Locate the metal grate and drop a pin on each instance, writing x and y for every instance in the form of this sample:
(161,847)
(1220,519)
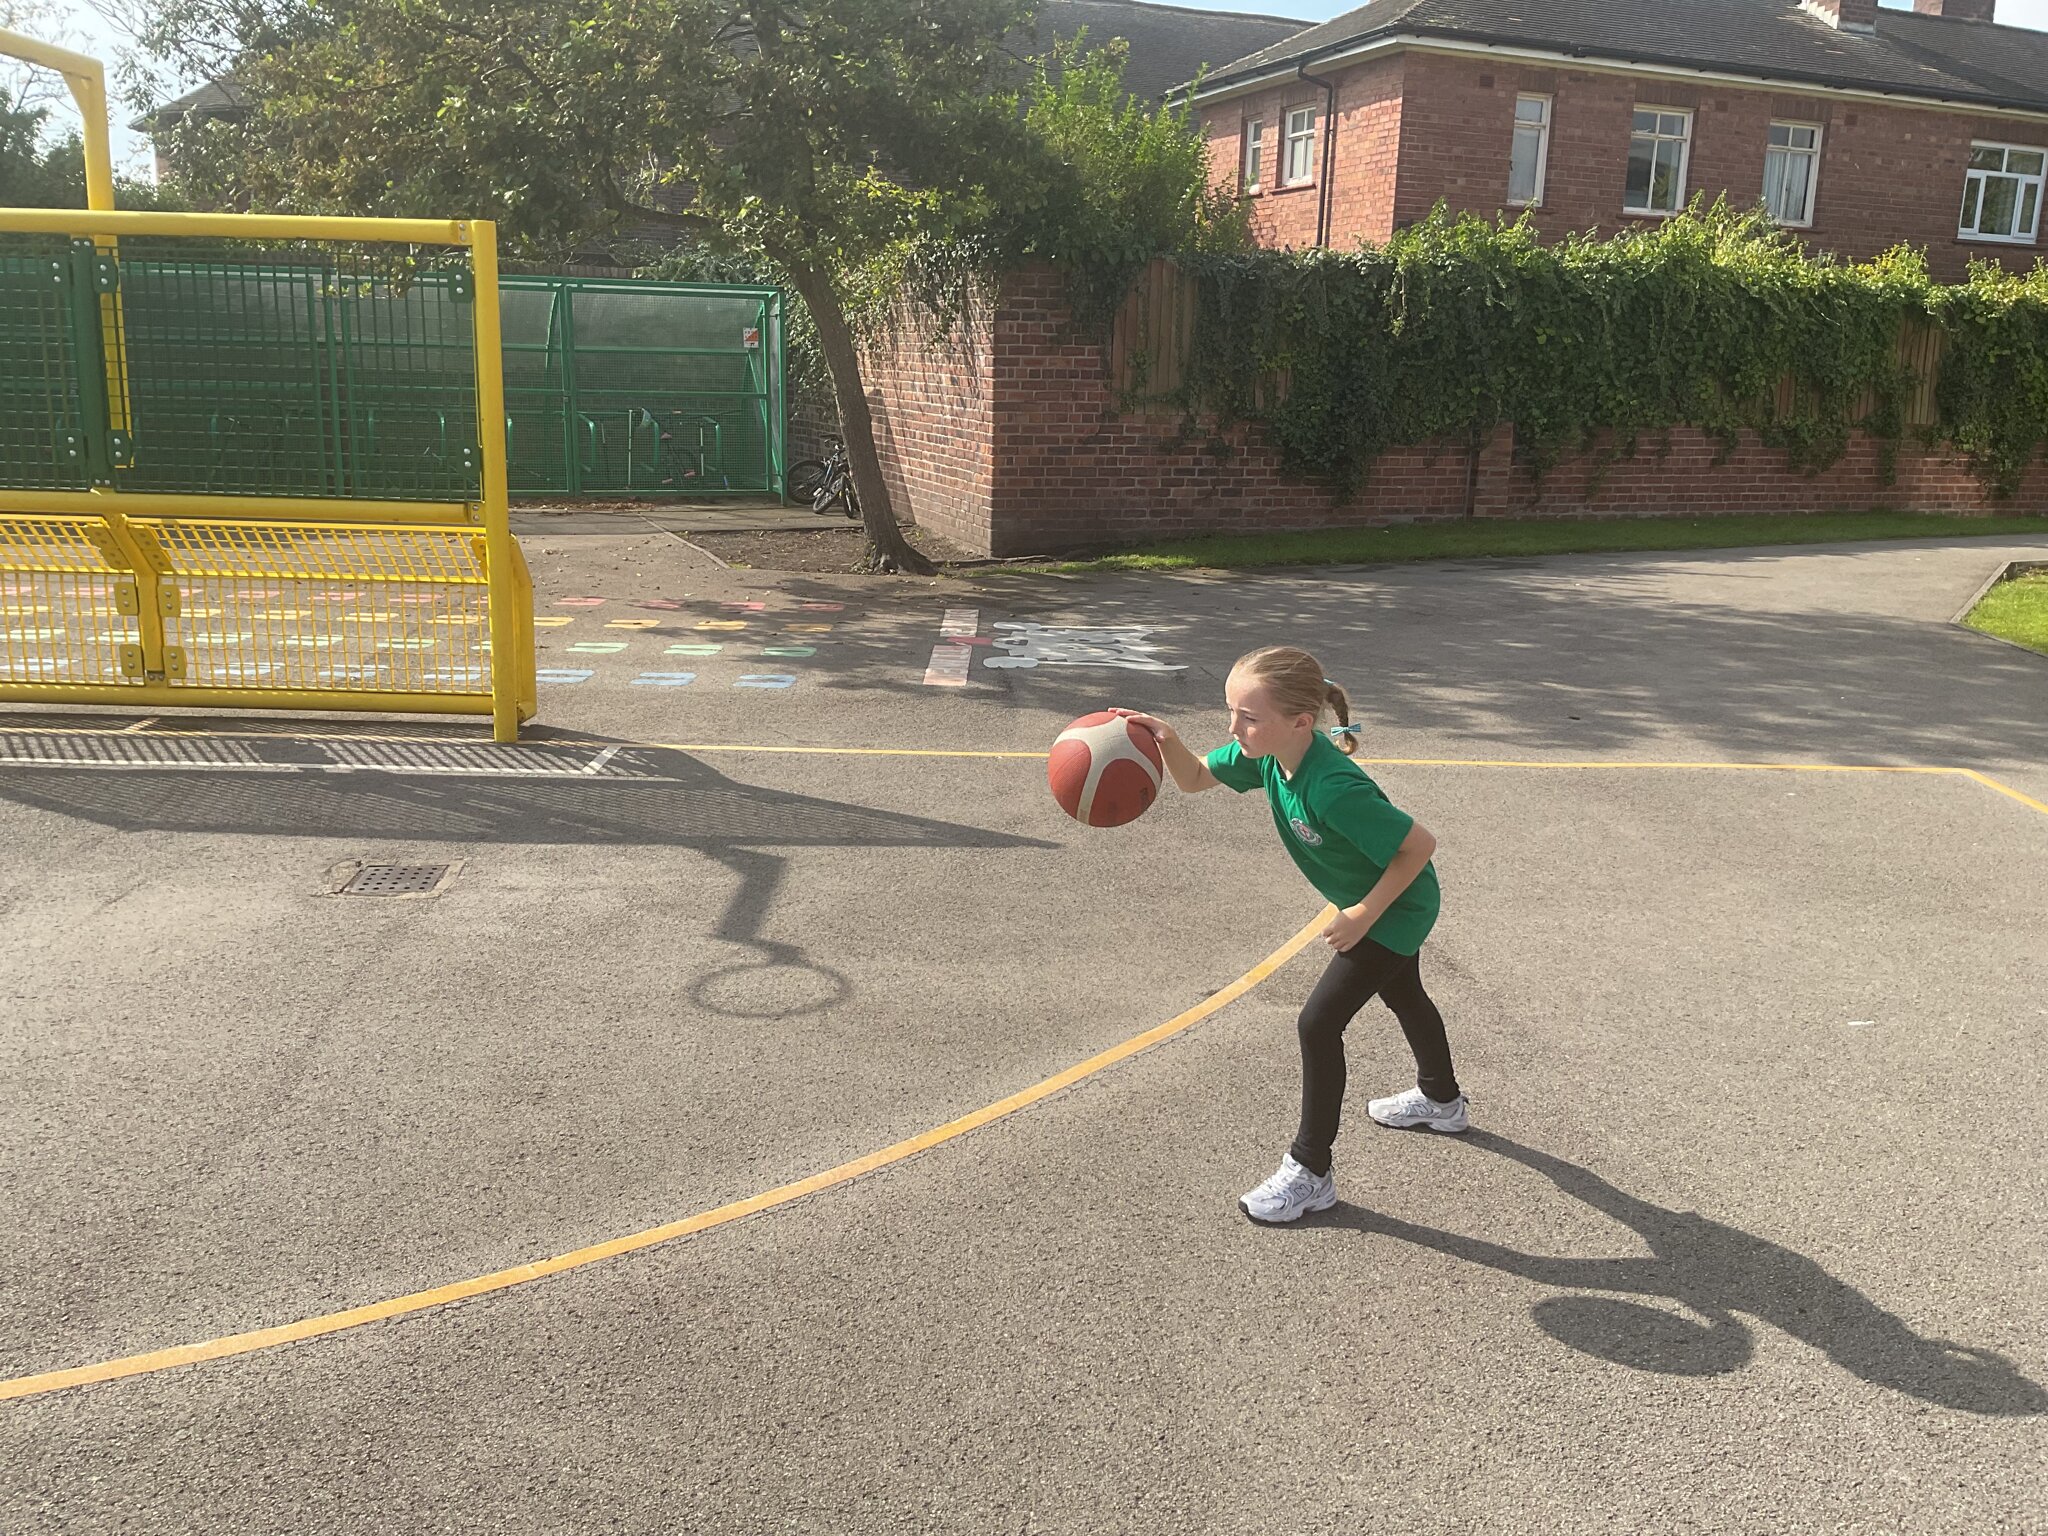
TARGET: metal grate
(283,605)
(398,880)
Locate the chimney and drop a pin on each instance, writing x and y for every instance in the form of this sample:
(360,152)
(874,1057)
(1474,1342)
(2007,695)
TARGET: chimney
(1958,10)
(1849,15)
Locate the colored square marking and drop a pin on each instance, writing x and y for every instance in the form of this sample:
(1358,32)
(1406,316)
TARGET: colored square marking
(579,602)
(554,620)
(766,680)
(824,607)
(560,675)
(664,679)
(599,647)
(631,623)
(808,629)
(693,650)
(744,607)
(788,650)
(723,624)
(661,603)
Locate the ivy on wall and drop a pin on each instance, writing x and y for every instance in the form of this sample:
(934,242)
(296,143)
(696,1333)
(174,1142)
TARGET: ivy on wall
(1714,319)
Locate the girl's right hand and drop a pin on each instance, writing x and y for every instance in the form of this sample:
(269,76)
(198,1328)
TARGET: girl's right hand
(1160,730)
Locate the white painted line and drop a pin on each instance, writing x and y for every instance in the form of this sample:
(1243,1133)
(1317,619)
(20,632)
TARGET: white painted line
(948,666)
(140,725)
(961,624)
(596,764)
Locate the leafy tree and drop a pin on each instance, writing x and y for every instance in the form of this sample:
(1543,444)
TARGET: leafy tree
(818,135)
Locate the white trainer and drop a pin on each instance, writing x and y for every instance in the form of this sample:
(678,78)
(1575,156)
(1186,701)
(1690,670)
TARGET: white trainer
(1417,1108)
(1289,1195)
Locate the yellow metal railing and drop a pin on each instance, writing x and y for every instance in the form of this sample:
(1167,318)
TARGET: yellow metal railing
(288,602)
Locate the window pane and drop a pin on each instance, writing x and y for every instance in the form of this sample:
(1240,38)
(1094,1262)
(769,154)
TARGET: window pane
(1971,187)
(1775,166)
(2023,162)
(1302,120)
(1780,134)
(1530,109)
(1640,152)
(1664,190)
(1985,158)
(1671,123)
(1646,122)
(2029,205)
(1522,171)
(2001,199)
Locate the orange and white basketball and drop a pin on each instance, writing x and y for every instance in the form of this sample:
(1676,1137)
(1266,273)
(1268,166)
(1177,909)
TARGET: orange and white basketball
(1104,772)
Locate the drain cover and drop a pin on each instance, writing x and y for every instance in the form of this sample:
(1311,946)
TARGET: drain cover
(398,879)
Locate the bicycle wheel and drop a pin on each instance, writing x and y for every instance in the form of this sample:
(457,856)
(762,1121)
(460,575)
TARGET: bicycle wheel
(801,480)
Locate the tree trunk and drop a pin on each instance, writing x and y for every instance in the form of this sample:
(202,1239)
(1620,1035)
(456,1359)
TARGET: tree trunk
(887,549)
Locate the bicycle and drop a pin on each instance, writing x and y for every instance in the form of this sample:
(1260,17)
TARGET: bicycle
(827,483)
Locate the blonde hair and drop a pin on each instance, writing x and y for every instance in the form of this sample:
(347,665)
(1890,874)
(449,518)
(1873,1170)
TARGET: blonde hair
(1295,680)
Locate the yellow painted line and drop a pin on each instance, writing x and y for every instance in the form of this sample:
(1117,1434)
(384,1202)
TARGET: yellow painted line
(1484,762)
(26,723)
(2003,789)
(703,1221)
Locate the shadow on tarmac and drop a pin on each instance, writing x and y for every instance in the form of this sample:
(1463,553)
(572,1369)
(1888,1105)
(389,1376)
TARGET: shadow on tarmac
(1714,1271)
(643,796)
(638,797)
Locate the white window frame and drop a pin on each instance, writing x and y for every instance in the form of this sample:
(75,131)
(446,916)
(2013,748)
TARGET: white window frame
(1684,142)
(1973,179)
(1251,170)
(1542,150)
(1306,137)
(1812,158)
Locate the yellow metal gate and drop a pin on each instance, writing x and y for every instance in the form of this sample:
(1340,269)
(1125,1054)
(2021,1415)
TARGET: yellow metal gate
(244,463)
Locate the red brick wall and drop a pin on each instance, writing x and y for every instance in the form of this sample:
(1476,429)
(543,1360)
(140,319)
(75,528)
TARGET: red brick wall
(1006,442)
(933,408)
(1368,138)
(1888,174)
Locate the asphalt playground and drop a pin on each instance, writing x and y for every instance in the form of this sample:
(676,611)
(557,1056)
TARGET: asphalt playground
(782,1119)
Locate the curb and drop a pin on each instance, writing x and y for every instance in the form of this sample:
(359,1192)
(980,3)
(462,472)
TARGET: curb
(2003,573)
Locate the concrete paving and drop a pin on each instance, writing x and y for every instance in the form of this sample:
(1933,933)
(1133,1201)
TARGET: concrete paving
(1753,1235)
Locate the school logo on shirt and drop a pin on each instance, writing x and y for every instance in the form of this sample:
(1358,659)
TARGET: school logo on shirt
(1305,832)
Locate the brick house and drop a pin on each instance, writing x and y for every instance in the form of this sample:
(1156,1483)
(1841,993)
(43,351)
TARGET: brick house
(1858,127)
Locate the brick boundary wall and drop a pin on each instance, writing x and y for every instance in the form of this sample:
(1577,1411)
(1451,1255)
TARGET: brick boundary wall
(1004,439)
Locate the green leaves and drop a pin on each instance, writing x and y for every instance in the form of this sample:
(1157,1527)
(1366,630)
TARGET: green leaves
(1714,319)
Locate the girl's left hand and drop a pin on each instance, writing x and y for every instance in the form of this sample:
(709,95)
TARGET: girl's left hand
(1345,930)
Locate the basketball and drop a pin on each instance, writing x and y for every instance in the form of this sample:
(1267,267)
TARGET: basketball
(1103,772)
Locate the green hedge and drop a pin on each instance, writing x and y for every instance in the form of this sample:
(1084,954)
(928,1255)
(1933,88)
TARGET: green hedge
(1458,324)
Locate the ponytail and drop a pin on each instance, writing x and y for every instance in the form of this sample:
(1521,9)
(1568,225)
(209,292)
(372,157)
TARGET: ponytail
(1345,734)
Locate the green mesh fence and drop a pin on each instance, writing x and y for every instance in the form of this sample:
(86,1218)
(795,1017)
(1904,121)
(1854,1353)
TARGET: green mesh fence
(630,388)
(42,415)
(238,370)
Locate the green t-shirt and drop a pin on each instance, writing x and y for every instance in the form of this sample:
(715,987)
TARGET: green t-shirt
(1342,831)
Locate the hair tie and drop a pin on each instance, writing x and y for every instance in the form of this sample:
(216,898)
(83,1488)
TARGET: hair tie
(1329,682)
(1346,730)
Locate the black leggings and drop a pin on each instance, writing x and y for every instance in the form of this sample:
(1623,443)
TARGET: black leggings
(1355,977)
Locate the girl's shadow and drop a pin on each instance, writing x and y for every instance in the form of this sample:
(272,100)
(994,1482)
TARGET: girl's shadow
(1715,1271)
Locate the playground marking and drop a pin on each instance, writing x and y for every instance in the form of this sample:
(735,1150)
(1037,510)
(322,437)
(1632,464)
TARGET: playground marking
(766,680)
(722,624)
(703,1221)
(631,623)
(954,654)
(664,679)
(693,650)
(560,675)
(579,602)
(553,620)
(599,647)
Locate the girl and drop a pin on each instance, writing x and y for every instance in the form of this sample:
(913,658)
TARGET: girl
(1372,862)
